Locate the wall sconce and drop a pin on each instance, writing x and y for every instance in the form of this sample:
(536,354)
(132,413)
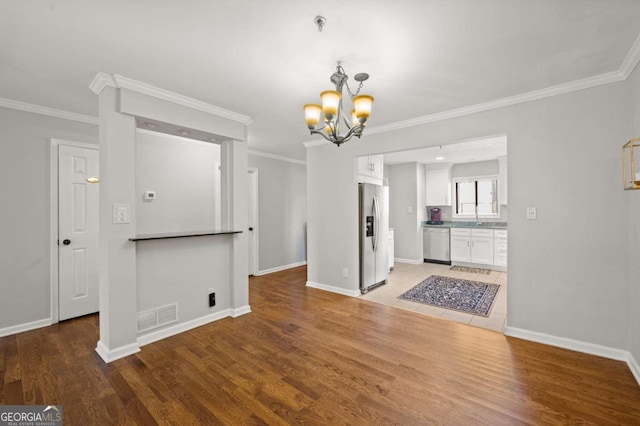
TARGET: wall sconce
(631,164)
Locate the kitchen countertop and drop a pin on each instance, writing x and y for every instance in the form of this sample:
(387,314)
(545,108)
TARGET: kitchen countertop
(473,224)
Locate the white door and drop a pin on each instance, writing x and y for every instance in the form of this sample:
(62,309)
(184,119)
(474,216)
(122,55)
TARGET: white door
(253,220)
(77,231)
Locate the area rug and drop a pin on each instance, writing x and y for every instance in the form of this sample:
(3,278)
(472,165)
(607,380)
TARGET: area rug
(471,270)
(472,297)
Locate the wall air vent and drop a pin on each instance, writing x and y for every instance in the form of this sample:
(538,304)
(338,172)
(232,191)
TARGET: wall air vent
(157,317)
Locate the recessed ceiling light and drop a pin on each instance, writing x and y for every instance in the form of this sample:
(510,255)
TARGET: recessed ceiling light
(439,158)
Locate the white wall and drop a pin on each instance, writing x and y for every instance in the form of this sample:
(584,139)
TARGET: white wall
(633,198)
(404,191)
(567,271)
(25,292)
(282,212)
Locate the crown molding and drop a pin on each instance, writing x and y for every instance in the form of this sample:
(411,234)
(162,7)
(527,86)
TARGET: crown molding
(560,89)
(103,80)
(51,112)
(276,157)
(632,59)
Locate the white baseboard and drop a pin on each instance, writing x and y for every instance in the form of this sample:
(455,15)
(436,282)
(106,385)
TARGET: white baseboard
(635,368)
(110,355)
(411,261)
(163,333)
(333,289)
(15,329)
(242,310)
(578,346)
(280,268)
(566,343)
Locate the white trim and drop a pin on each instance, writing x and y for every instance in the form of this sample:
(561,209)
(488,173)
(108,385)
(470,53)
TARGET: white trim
(51,112)
(317,142)
(103,80)
(242,310)
(110,355)
(280,268)
(15,329)
(53,217)
(632,59)
(634,367)
(333,289)
(566,343)
(145,339)
(560,89)
(409,261)
(276,157)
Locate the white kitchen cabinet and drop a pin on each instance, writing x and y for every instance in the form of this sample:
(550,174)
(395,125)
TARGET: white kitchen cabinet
(502,180)
(371,169)
(500,248)
(472,245)
(460,247)
(391,250)
(438,186)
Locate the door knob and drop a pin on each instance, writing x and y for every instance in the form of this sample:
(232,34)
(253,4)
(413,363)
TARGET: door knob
(250,229)
(66,242)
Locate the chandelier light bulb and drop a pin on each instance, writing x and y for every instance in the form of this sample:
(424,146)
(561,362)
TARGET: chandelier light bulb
(312,114)
(362,105)
(330,103)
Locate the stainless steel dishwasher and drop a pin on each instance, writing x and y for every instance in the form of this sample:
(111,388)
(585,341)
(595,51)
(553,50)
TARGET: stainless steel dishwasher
(435,244)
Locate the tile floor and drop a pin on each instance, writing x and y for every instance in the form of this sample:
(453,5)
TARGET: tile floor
(405,275)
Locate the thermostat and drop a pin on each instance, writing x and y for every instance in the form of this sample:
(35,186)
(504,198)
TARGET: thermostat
(150,195)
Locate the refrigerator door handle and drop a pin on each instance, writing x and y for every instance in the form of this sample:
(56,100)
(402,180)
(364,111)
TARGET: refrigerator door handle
(376,218)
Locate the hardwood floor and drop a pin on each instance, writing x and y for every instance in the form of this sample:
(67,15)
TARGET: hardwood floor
(308,356)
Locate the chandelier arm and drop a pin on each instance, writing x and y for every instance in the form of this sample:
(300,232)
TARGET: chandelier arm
(317,132)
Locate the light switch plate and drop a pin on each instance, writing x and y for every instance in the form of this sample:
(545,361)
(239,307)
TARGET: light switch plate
(121,213)
(532,213)
(149,195)
(409,210)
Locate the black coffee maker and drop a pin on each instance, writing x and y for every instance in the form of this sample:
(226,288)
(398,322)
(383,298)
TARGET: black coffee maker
(435,216)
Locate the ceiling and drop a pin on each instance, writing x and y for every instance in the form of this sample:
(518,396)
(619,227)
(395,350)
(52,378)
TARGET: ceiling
(462,152)
(265,59)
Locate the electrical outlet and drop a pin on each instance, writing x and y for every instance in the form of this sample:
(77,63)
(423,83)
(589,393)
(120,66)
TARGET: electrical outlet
(212,300)
(409,210)
(345,272)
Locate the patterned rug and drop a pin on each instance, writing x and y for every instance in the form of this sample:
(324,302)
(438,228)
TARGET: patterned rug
(472,297)
(472,270)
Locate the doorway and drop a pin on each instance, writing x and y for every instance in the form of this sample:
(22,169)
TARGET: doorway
(74,229)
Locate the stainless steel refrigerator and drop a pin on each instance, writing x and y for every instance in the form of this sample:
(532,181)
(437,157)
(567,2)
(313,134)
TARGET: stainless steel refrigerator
(374,235)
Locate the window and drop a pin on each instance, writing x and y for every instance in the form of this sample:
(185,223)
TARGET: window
(476,192)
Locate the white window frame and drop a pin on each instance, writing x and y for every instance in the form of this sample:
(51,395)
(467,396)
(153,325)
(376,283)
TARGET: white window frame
(454,196)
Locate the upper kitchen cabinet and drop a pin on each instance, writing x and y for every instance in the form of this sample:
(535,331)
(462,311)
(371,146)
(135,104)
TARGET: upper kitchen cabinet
(371,169)
(502,180)
(438,185)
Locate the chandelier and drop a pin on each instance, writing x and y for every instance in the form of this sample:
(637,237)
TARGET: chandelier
(331,110)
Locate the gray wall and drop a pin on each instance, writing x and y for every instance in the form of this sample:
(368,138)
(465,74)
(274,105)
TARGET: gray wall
(633,198)
(282,212)
(564,159)
(403,194)
(25,292)
(182,172)
(478,168)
